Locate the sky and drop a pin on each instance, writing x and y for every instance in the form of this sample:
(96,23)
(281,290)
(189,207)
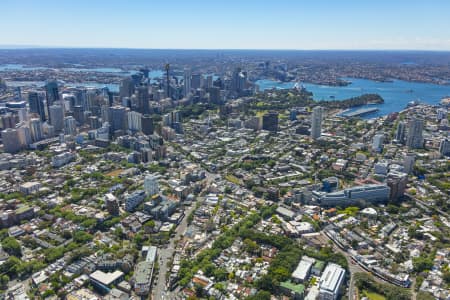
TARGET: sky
(227,24)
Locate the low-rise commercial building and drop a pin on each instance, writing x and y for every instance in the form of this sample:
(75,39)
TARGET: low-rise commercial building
(331,281)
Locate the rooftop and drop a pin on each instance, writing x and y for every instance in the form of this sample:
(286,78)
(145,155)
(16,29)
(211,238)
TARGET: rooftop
(302,270)
(332,277)
(143,272)
(297,288)
(106,278)
(151,254)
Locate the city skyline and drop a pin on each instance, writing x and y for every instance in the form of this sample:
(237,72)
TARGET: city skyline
(203,150)
(287,25)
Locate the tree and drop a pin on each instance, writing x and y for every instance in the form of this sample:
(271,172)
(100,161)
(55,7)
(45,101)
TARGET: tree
(424,296)
(219,286)
(3,233)
(89,223)
(421,264)
(10,266)
(4,279)
(261,295)
(446,276)
(82,237)
(150,223)
(12,246)
(220,274)
(250,246)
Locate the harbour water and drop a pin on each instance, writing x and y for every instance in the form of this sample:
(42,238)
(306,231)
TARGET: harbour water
(396,94)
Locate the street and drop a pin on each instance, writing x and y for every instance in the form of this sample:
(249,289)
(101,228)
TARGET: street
(160,290)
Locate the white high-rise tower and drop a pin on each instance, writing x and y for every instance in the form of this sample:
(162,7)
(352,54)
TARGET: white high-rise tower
(316,122)
(187,81)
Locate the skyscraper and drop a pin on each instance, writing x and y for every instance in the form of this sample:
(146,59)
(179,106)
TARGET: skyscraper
(196,81)
(377,143)
(37,133)
(134,121)
(209,81)
(49,130)
(52,95)
(9,120)
(11,140)
(444,147)
(151,185)
(147,124)
(187,81)
(107,96)
(23,114)
(143,99)
(78,114)
(94,122)
(56,117)
(214,95)
(70,126)
(415,128)
(18,93)
(126,88)
(118,118)
(400,132)
(24,135)
(235,79)
(316,122)
(270,121)
(36,103)
(408,162)
(397,182)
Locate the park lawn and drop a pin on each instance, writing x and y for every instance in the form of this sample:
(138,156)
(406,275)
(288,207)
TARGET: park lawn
(373,296)
(233,179)
(114,173)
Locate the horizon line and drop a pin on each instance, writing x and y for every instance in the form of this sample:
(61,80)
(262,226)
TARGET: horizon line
(38,47)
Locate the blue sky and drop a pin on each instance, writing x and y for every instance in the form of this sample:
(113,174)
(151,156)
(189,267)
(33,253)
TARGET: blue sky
(228,24)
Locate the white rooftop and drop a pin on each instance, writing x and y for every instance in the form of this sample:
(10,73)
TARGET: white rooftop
(106,278)
(332,278)
(303,268)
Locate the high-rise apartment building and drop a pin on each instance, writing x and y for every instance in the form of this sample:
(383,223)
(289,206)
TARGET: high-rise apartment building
(415,129)
(316,122)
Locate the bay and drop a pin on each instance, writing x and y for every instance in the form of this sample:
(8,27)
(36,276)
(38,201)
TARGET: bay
(396,94)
